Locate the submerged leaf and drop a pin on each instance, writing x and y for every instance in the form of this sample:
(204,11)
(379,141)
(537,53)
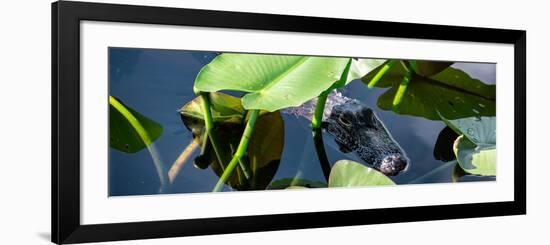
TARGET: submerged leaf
(292,182)
(264,149)
(126,125)
(224,109)
(430,68)
(346,173)
(296,187)
(450,92)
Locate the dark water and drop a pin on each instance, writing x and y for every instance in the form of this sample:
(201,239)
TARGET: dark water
(157,83)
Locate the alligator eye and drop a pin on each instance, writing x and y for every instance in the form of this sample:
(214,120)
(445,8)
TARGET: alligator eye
(344,120)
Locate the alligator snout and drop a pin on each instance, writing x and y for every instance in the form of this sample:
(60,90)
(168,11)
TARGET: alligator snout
(356,128)
(392,165)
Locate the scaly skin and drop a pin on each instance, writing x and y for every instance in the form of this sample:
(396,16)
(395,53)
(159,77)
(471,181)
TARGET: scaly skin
(356,128)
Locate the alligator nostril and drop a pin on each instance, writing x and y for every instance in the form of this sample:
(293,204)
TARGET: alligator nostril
(399,163)
(392,165)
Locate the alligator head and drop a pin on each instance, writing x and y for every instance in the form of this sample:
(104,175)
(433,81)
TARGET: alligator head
(356,128)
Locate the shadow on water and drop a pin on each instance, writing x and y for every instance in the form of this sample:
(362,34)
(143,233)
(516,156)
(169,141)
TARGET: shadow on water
(159,82)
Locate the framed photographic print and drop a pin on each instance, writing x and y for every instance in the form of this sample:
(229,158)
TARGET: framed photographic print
(175,122)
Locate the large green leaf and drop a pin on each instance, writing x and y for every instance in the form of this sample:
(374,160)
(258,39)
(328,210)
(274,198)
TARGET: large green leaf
(265,146)
(356,69)
(129,130)
(273,82)
(361,67)
(451,92)
(346,173)
(475,149)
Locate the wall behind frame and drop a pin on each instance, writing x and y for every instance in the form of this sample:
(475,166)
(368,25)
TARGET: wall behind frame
(25,97)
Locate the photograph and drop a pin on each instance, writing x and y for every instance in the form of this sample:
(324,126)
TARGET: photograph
(193,121)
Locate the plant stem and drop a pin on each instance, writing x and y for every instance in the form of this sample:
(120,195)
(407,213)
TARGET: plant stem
(211,134)
(246,170)
(180,161)
(412,65)
(321,153)
(241,150)
(406,66)
(209,126)
(319,110)
(244,167)
(165,185)
(401,92)
(381,73)
(318,134)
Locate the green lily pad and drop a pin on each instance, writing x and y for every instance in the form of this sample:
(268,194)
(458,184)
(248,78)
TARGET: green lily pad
(265,146)
(475,149)
(449,92)
(273,82)
(474,159)
(129,130)
(479,130)
(346,173)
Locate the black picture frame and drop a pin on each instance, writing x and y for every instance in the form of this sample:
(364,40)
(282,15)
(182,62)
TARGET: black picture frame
(66,18)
